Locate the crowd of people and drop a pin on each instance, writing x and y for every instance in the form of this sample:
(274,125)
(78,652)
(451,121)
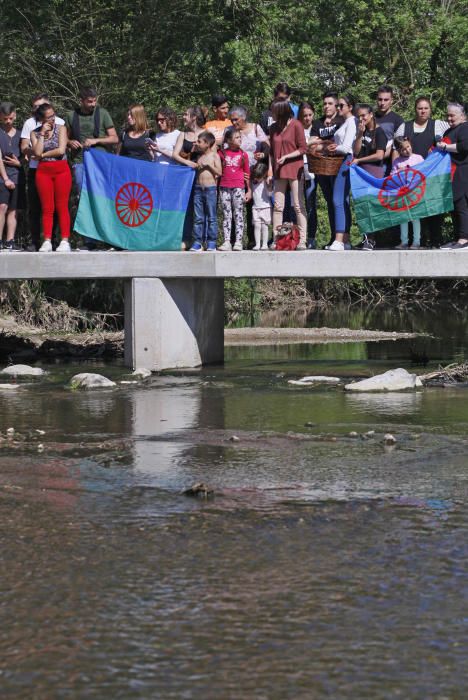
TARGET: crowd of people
(257,174)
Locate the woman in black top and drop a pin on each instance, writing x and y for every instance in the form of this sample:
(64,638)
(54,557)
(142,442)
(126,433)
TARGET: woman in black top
(186,153)
(423,133)
(455,142)
(132,143)
(371,142)
(369,152)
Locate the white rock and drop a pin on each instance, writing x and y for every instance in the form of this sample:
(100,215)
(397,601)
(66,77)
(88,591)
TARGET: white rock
(88,380)
(389,439)
(22,371)
(314,379)
(141,373)
(9,386)
(393,380)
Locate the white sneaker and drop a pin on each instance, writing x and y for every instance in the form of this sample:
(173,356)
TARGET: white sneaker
(63,247)
(237,245)
(256,247)
(46,247)
(265,247)
(225,246)
(336,245)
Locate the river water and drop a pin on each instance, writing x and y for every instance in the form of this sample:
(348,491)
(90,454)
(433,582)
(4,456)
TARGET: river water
(324,566)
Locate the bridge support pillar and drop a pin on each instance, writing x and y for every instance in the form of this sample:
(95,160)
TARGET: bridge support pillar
(172,323)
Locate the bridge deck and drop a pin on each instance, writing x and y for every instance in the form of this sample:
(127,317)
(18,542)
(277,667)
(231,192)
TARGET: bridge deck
(314,264)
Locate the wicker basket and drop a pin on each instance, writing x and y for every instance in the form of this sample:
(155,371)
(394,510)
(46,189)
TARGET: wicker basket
(324,165)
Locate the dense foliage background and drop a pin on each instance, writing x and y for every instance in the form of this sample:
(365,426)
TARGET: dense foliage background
(179,52)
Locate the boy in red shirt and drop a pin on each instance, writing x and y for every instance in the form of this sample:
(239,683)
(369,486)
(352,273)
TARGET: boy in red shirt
(234,188)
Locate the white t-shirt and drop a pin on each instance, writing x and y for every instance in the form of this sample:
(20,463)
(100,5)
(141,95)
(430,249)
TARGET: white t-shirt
(261,196)
(440,127)
(167,142)
(28,126)
(345,136)
(307,174)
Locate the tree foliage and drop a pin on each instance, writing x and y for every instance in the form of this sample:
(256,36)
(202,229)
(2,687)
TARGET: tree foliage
(180,52)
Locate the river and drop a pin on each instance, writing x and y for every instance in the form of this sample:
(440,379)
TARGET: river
(324,565)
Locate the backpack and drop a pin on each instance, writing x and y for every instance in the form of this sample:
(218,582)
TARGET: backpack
(287,237)
(75,125)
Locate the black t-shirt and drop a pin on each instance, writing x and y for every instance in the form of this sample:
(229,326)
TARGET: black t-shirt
(326,131)
(389,123)
(459,135)
(373,140)
(135,147)
(11,144)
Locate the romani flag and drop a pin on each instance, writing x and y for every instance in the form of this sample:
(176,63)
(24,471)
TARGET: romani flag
(133,204)
(412,193)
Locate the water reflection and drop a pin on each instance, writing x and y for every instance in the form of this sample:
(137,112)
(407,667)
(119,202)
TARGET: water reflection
(387,404)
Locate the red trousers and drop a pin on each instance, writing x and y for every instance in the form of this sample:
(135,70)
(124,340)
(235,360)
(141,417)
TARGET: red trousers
(53,183)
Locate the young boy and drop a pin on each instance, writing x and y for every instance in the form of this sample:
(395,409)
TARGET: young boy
(206,194)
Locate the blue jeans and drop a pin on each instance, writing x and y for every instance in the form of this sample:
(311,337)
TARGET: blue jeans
(341,204)
(310,195)
(78,173)
(326,183)
(204,210)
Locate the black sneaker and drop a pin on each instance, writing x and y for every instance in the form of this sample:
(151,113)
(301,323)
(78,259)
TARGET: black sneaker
(11,247)
(367,244)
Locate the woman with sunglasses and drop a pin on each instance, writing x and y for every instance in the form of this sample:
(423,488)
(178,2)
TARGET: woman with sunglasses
(166,136)
(53,179)
(343,142)
(132,141)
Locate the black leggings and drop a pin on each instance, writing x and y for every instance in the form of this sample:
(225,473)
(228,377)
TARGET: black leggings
(460,216)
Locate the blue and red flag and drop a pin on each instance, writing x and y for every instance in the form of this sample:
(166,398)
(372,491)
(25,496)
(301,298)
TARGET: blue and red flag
(410,194)
(133,204)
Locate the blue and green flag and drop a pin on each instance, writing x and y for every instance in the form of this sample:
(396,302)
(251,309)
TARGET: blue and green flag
(412,193)
(133,204)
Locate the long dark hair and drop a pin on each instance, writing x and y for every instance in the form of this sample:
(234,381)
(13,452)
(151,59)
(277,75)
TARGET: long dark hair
(350,101)
(302,107)
(370,110)
(199,114)
(282,112)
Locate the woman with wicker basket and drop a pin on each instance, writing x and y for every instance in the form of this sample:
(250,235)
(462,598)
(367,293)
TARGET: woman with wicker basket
(288,145)
(323,167)
(343,142)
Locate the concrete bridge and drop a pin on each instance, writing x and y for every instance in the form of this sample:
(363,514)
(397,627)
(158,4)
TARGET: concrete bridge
(174,302)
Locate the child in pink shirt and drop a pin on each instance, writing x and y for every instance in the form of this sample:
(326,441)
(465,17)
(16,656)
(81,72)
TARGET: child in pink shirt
(234,182)
(407,159)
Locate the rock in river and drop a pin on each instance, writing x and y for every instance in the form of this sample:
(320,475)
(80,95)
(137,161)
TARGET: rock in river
(88,380)
(141,373)
(22,371)
(314,379)
(393,380)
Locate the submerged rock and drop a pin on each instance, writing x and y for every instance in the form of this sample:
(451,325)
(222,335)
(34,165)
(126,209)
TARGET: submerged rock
(199,490)
(141,373)
(22,371)
(389,439)
(314,379)
(88,380)
(393,380)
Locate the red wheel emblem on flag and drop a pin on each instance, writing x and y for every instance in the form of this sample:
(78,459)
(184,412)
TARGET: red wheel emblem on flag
(403,190)
(133,204)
